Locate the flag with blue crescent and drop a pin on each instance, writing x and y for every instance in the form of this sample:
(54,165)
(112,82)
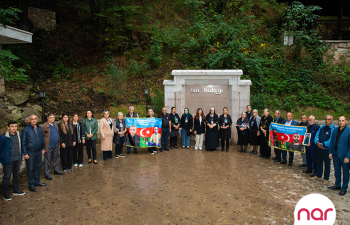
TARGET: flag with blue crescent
(143,132)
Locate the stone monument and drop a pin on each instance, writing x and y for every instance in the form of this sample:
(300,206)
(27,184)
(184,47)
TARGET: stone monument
(208,88)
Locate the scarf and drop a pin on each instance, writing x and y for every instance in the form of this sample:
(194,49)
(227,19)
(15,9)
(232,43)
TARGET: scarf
(188,112)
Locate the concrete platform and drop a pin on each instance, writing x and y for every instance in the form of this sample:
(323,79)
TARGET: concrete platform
(182,186)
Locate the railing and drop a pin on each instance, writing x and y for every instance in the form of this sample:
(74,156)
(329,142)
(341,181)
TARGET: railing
(329,29)
(41,4)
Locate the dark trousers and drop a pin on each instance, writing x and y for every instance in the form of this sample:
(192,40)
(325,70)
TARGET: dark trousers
(13,167)
(119,147)
(91,145)
(34,167)
(164,138)
(78,153)
(107,155)
(128,149)
(150,150)
(265,150)
(338,165)
(223,143)
(323,158)
(311,158)
(51,154)
(66,157)
(173,141)
(277,153)
(284,156)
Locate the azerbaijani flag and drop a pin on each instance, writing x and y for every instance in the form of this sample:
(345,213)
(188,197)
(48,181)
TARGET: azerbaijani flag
(281,136)
(144,129)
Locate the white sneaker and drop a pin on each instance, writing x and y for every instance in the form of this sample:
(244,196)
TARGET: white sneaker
(80,165)
(196,149)
(152,153)
(75,164)
(200,149)
(155,151)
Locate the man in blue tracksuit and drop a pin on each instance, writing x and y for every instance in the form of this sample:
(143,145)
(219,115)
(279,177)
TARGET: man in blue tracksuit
(311,156)
(11,158)
(339,151)
(323,141)
(33,147)
(289,122)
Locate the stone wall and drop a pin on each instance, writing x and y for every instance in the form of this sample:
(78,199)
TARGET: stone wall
(42,19)
(340,50)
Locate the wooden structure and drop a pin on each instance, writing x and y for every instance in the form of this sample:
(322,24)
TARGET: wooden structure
(330,29)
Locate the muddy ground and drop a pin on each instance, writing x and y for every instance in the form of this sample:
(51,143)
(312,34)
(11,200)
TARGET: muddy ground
(177,187)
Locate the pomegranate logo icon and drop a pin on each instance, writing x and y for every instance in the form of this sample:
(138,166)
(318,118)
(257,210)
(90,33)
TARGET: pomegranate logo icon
(314,209)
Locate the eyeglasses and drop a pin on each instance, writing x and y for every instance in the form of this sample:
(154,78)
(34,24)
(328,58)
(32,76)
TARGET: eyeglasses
(328,119)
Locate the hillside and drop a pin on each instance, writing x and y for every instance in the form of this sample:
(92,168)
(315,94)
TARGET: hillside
(103,55)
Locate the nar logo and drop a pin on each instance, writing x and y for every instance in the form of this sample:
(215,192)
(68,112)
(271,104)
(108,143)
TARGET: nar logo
(314,209)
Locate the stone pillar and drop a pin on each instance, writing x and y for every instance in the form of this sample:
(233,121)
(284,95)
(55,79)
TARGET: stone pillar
(2,81)
(208,88)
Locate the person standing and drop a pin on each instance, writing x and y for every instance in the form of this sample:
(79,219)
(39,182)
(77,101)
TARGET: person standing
(199,128)
(266,120)
(289,122)
(339,151)
(166,129)
(150,114)
(131,114)
(212,136)
(107,133)
(91,127)
(186,128)
(254,124)
(78,149)
(249,112)
(304,123)
(249,115)
(311,156)
(67,141)
(51,138)
(242,126)
(10,158)
(323,140)
(280,120)
(33,147)
(175,128)
(119,135)
(225,123)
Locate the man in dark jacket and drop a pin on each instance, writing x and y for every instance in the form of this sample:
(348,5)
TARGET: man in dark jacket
(311,157)
(166,129)
(339,151)
(131,114)
(280,120)
(323,141)
(33,147)
(11,158)
(304,123)
(51,138)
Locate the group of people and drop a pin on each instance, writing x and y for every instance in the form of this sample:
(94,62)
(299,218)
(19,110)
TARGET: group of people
(200,124)
(69,136)
(327,143)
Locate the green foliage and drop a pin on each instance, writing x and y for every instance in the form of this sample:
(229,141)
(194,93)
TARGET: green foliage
(157,100)
(8,70)
(114,80)
(7,16)
(60,70)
